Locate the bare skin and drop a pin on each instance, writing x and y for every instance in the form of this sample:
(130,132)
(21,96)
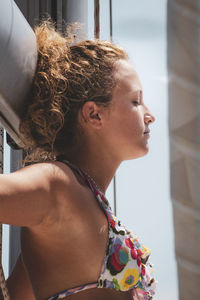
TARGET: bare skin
(64,230)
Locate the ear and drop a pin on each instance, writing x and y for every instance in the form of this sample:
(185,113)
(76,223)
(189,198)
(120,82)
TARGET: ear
(91,113)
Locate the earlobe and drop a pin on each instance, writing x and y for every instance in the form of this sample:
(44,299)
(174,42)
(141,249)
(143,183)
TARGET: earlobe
(95,119)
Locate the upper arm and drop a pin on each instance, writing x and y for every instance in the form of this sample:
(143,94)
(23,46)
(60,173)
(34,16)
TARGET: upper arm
(26,195)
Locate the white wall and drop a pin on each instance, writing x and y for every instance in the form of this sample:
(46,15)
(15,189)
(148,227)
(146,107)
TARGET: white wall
(143,198)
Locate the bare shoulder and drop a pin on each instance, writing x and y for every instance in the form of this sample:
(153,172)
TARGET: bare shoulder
(64,181)
(58,174)
(34,193)
(53,176)
(57,177)
(44,173)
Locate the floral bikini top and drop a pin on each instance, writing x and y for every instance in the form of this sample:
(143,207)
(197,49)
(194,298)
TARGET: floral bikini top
(126,265)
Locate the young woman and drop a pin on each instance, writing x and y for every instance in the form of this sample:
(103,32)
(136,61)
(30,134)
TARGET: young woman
(85,115)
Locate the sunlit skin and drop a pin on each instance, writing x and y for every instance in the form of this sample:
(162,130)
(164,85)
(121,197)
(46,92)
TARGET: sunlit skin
(129,118)
(63,225)
(116,133)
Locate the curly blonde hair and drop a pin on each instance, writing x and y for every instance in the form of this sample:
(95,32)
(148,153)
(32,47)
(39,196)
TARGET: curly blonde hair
(68,74)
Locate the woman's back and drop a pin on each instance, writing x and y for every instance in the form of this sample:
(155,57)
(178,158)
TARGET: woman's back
(65,252)
(67,249)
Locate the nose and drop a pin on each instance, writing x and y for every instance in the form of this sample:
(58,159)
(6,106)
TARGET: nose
(149,118)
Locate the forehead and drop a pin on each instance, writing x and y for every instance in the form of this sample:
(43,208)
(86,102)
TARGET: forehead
(127,80)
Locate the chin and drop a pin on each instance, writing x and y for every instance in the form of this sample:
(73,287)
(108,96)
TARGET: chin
(146,150)
(141,152)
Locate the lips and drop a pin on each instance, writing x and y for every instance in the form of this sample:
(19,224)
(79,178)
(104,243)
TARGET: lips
(147,131)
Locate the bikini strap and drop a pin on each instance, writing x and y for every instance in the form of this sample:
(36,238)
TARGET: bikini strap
(82,174)
(72,291)
(98,194)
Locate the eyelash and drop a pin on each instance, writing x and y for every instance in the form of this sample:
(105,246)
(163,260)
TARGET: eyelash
(135,102)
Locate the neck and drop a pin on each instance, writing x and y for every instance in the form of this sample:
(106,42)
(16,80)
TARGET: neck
(96,162)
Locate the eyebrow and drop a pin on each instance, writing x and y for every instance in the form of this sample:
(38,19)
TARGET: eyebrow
(139,92)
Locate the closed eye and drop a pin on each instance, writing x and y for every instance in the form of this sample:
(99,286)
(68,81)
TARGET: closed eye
(136,102)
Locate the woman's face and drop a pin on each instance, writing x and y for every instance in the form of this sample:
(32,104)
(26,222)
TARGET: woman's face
(128,119)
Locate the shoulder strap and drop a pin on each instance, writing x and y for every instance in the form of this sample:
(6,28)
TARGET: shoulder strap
(82,174)
(101,197)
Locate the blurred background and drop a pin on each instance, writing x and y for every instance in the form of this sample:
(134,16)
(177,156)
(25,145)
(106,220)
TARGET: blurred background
(143,185)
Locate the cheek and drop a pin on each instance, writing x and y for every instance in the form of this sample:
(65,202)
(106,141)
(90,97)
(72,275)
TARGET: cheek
(134,122)
(139,120)
(126,121)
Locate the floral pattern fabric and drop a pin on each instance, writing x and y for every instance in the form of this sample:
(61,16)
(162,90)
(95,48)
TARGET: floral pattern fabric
(126,264)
